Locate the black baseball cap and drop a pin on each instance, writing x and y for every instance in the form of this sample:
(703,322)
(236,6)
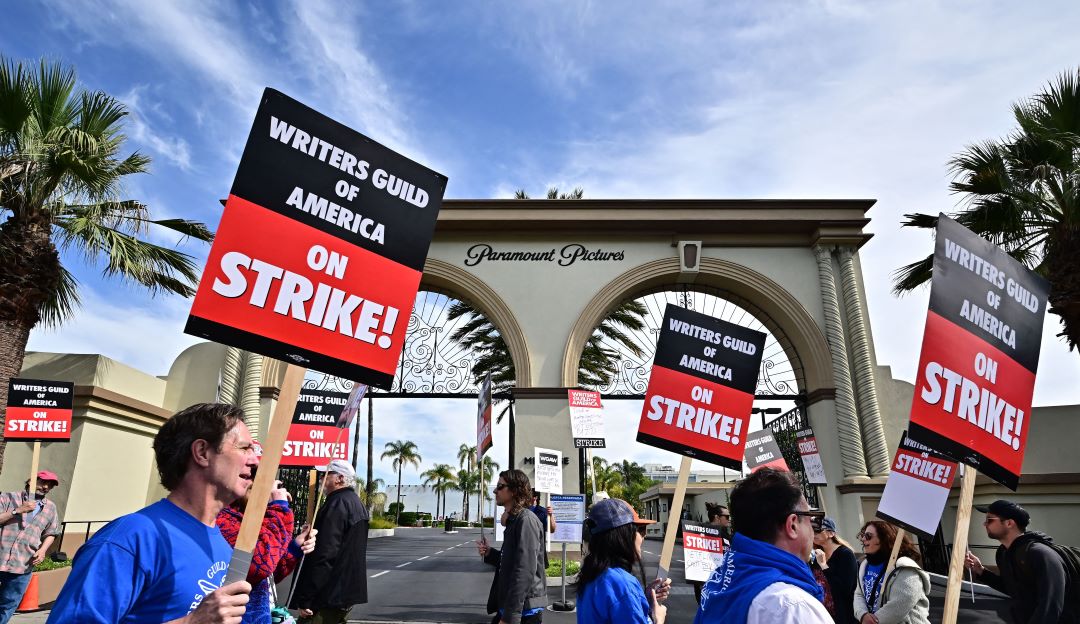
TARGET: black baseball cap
(1007,510)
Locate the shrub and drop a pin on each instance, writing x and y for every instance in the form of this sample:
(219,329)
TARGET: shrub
(381,523)
(555,568)
(49,564)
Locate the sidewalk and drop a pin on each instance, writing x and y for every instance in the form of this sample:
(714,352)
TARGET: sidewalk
(37,617)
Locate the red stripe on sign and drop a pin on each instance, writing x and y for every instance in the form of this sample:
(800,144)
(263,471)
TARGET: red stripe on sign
(972,393)
(584,398)
(706,543)
(314,445)
(807,446)
(696,413)
(927,469)
(36,423)
(275,277)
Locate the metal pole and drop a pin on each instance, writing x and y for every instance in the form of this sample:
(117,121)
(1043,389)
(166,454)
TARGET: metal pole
(564,573)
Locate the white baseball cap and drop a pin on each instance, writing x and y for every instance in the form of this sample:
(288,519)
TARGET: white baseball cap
(343,468)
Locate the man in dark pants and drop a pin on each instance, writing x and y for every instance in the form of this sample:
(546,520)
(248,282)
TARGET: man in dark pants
(1029,570)
(334,576)
(519,590)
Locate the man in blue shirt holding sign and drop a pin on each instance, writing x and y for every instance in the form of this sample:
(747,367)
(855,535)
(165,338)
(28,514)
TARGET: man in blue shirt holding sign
(167,562)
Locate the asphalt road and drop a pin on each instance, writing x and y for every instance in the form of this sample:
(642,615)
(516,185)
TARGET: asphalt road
(425,575)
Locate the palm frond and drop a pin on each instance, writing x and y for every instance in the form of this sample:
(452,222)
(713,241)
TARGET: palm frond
(63,301)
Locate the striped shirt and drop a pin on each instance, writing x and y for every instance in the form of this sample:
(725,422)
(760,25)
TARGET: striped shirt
(22,535)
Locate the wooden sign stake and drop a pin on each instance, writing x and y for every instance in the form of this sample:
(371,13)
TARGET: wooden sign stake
(960,542)
(34,460)
(674,517)
(900,533)
(259,496)
(313,491)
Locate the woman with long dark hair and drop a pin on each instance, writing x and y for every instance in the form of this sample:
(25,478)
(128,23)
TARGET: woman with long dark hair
(841,569)
(608,592)
(900,597)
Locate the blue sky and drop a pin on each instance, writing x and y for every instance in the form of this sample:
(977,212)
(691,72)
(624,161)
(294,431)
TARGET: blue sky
(828,99)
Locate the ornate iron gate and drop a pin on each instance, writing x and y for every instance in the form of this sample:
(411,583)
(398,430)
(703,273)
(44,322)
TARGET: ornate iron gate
(784,428)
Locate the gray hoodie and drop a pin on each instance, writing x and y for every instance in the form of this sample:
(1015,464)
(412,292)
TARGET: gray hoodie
(904,596)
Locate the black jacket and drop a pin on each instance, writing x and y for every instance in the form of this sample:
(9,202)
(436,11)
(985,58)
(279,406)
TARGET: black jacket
(335,574)
(843,574)
(1033,575)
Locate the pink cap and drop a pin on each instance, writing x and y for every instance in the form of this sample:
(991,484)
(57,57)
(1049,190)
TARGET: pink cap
(48,475)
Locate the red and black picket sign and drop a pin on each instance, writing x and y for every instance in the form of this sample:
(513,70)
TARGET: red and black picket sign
(762,451)
(701,388)
(39,409)
(980,352)
(920,480)
(314,438)
(320,250)
(484,434)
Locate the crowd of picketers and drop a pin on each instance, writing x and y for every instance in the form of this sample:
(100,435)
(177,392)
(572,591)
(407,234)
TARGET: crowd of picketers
(783,563)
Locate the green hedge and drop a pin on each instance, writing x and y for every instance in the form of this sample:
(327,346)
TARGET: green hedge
(49,564)
(381,523)
(555,567)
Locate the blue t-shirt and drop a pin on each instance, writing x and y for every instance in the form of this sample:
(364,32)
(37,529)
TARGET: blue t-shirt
(154,565)
(871,585)
(614,597)
(541,512)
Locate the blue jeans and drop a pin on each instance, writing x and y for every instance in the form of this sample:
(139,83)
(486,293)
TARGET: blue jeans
(12,588)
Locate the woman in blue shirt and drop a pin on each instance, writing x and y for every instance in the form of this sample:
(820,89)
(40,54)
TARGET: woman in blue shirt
(608,593)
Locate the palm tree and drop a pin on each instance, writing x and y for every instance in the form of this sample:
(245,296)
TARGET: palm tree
(367,494)
(597,365)
(465,456)
(401,452)
(61,180)
(485,474)
(608,479)
(466,481)
(629,472)
(1022,193)
(440,475)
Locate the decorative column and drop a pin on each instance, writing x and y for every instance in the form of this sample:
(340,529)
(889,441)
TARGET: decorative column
(873,435)
(847,421)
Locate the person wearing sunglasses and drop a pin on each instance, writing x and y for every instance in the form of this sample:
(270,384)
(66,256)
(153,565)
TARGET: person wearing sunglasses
(765,577)
(608,591)
(840,567)
(900,597)
(519,590)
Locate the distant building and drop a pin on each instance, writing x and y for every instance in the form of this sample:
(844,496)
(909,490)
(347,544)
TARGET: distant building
(666,474)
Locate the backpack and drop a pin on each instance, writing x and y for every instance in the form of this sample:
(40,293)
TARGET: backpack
(1070,559)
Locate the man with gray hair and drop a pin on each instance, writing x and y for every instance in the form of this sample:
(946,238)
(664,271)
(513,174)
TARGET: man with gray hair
(334,576)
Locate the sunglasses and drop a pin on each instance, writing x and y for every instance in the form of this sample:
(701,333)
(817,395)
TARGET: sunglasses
(500,486)
(866,537)
(640,528)
(816,517)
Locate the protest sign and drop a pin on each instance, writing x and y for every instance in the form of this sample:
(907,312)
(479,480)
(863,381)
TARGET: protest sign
(701,388)
(569,512)
(980,351)
(483,419)
(352,406)
(314,438)
(39,409)
(548,474)
(811,457)
(586,419)
(703,549)
(762,450)
(320,248)
(919,483)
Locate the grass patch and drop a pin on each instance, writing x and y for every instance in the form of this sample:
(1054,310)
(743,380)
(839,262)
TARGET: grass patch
(49,564)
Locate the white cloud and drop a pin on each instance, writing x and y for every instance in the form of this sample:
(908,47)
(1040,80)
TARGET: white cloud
(147,337)
(174,149)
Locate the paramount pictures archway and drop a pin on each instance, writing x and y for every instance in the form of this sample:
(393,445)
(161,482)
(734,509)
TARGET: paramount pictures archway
(547,272)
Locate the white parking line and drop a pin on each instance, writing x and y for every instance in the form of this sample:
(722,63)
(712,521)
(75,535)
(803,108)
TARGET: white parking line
(422,558)
(680,561)
(440,552)
(380,573)
(403,565)
(648,552)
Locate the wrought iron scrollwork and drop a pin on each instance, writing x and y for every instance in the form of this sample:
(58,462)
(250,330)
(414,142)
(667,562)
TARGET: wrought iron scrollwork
(779,376)
(784,428)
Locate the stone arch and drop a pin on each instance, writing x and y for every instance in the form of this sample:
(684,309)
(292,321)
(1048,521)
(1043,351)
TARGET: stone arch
(445,277)
(802,333)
